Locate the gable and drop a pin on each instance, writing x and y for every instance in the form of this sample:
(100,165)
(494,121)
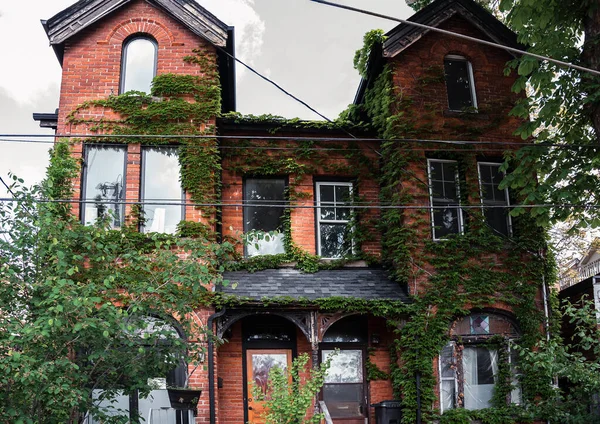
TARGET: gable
(84,13)
(438,12)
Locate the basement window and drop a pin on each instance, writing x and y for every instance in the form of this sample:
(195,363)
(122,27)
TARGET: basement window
(161,194)
(460,84)
(264,211)
(333,216)
(444,192)
(138,64)
(469,365)
(495,201)
(103,184)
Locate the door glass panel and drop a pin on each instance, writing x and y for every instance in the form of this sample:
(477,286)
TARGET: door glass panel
(261,366)
(346,366)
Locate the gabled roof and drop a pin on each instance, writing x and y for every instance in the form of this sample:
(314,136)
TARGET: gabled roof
(405,35)
(84,13)
(438,12)
(360,283)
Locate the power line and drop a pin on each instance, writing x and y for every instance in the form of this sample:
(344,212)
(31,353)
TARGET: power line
(461,36)
(10,138)
(304,206)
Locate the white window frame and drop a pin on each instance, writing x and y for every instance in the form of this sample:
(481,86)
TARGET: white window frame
(483,203)
(471,80)
(431,209)
(320,221)
(442,379)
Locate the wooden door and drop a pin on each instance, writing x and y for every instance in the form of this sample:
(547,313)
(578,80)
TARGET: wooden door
(258,364)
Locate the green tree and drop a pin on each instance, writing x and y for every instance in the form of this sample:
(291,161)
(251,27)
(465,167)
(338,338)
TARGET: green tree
(75,302)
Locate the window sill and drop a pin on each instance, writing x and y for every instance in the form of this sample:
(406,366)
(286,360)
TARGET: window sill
(475,114)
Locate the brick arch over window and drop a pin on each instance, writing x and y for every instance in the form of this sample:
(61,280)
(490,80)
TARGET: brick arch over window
(142,26)
(443,48)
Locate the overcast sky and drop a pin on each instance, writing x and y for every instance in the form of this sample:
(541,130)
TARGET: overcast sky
(304,46)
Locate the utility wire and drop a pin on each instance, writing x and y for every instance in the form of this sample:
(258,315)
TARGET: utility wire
(461,36)
(298,206)
(10,138)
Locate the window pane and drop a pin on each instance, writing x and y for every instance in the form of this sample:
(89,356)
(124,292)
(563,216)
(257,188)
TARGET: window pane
(352,329)
(105,167)
(326,193)
(139,65)
(447,365)
(346,366)
(480,365)
(335,242)
(448,394)
(458,84)
(343,400)
(161,184)
(491,195)
(445,221)
(497,219)
(328,214)
(267,194)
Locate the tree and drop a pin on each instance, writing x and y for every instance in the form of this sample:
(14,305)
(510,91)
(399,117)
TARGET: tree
(76,303)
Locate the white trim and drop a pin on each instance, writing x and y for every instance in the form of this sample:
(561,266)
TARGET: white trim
(319,221)
(509,223)
(458,206)
(471,80)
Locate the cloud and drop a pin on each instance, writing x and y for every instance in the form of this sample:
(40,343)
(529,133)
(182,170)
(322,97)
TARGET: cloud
(249,27)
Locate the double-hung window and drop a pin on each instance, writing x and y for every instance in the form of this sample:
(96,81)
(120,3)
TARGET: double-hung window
(263,215)
(460,84)
(495,201)
(103,185)
(444,193)
(333,215)
(161,194)
(138,64)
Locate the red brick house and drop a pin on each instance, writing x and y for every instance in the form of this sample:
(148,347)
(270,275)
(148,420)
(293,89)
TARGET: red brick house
(324,196)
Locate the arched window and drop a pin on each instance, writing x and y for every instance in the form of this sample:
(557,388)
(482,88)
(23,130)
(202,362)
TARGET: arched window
(469,364)
(138,64)
(460,84)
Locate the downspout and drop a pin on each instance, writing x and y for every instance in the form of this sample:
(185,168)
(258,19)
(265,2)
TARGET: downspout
(546,307)
(211,366)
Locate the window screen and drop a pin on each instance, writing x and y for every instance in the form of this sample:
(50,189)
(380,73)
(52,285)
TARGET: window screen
(103,187)
(333,215)
(444,191)
(161,185)
(493,198)
(459,83)
(138,66)
(265,200)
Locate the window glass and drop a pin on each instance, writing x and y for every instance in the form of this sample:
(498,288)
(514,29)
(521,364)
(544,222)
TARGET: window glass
(448,377)
(344,383)
(492,197)
(444,190)
(264,215)
(334,240)
(480,366)
(161,185)
(139,65)
(104,184)
(459,83)
(352,329)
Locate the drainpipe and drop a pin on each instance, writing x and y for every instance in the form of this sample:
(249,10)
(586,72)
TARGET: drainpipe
(211,366)
(546,307)
(418,382)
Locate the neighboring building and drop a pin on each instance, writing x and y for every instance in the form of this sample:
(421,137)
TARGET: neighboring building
(314,191)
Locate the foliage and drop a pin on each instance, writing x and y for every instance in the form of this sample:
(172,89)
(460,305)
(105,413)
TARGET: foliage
(291,392)
(74,302)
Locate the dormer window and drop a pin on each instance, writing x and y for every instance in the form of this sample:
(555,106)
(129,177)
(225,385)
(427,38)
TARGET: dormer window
(138,65)
(460,84)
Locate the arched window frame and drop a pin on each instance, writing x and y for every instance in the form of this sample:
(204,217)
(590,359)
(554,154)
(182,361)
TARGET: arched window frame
(126,44)
(472,91)
(451,359)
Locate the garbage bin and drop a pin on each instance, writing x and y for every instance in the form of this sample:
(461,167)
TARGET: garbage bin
(388,412)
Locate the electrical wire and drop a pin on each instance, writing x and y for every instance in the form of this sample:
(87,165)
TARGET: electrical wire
(8,138)
(461,36)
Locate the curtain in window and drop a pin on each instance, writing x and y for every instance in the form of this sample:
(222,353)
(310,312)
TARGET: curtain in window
(480,367)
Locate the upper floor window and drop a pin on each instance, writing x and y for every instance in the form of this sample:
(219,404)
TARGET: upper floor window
(103,185)
(444,192)
(470,367)
(333,216)
(263,215)
(459,83)
(138,64)
(495,201)
(161,194)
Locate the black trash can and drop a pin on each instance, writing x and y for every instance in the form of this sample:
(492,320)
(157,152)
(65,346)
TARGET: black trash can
(388,412)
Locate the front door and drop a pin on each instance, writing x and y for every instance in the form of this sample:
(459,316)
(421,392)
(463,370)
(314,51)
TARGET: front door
(258,365)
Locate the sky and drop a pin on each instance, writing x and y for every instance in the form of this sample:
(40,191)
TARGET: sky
(305,47)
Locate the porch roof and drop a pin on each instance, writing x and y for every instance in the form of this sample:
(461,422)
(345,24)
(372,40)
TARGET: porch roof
(362,283)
